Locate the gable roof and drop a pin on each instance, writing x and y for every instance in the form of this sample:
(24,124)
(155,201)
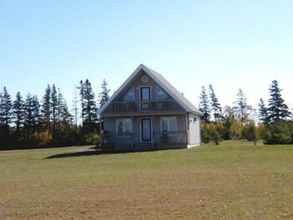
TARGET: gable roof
(162,82)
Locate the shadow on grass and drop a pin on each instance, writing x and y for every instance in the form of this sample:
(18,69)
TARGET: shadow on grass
(75,154)
(93,151)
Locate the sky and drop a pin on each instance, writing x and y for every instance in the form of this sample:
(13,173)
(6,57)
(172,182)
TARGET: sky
(229,44)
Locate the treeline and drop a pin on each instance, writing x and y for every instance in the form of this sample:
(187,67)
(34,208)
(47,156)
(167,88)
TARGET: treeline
(27,121)
(271,122)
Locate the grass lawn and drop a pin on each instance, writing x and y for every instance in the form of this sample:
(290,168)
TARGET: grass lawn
(231,181)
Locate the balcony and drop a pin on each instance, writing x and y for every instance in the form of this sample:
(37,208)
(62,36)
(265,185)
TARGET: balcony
(152,106)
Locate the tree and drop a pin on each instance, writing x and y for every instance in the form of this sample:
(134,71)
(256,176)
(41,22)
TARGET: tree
(6,108)
(89,109)
(263,112)
(54,109)
(6,114)
(277,109)
(215,105)
(46,108)
(63,115)
(249,132)
(241,108)
(104,94)
(204,106)
(18,111)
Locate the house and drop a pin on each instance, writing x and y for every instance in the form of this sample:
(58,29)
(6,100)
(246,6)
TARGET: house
(147,112)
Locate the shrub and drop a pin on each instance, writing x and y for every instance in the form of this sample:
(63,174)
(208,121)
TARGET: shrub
(279,133)
(249,132)
(211,132)
(91,138)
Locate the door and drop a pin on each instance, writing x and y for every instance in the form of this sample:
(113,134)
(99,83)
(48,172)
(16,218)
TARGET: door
(145,97)
(146,130)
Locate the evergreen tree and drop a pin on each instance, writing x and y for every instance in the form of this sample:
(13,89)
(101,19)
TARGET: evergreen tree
(6,113)
(204,107)
(46,108)
(89,109)
(263,112)
(277,109)
(64,116)
(35,113)
(54,108)
(215,105)
(28,117)
(18,110)
(104,95)
(241,108)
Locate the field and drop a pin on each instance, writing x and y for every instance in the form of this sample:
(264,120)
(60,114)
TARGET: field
(232,181)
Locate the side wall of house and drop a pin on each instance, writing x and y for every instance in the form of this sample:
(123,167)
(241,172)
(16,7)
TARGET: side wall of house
(194,135)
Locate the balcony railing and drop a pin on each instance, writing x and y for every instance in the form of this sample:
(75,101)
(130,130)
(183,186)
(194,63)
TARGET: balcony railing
(152,106)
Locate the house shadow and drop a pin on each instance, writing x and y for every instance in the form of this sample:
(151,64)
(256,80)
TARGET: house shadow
(94,151)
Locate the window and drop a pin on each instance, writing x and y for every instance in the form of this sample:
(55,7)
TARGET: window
(124,127)
(130,95)
(168,124)
(145,94)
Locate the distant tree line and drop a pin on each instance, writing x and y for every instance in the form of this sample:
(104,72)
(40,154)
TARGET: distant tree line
(274,124)
(26,121)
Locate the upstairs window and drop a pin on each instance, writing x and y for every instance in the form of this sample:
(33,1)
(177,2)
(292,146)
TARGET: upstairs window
(124,127)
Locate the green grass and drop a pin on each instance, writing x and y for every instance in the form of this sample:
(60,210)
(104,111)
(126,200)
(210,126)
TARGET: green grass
(232,181)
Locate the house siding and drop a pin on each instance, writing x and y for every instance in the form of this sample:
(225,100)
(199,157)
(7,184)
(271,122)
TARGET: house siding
(133,142)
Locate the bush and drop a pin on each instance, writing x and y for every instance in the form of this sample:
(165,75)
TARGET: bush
(91,139)
(279,133)
(249,132)
(211,132)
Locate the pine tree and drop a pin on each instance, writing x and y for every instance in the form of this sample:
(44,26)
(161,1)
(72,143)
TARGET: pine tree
(204,107)
(28,117)
(277,109)
(47,108)
(54,108)
(89,109)
(241,108)
(215,105)
(35,113)
(6,108)
(263,112)
(104,95)
(18,110)
(64,116)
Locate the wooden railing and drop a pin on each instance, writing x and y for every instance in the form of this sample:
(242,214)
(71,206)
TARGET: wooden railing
(152,106)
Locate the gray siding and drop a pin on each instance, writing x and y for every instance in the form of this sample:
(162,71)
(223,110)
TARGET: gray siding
(178,138)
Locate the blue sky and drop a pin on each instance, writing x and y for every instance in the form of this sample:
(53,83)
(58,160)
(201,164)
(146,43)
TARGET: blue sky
(230,44)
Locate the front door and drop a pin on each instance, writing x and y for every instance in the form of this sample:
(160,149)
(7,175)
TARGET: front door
(146,130)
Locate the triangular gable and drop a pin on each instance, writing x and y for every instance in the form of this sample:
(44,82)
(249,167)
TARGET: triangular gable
(162,82)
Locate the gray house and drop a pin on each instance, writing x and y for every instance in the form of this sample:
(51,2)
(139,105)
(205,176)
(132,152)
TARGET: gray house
(147,112)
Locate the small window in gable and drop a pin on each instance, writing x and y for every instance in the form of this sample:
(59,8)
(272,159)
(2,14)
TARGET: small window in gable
(124,127)
(130,95)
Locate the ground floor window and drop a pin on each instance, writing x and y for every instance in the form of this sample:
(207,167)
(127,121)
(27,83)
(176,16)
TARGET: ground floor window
(168,125)
(124,127)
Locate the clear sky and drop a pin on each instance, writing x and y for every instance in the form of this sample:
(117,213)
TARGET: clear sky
(230,44)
